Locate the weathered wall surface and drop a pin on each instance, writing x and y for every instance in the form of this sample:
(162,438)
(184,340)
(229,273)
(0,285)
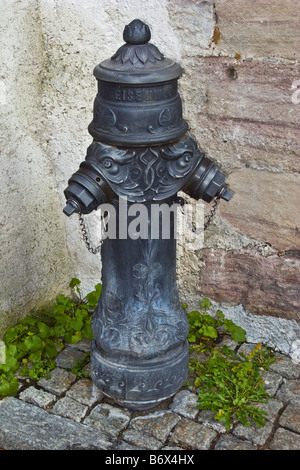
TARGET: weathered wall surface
(35,263)
(47,88)
(239,90)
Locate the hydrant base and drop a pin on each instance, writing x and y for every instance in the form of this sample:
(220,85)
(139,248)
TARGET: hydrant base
(139,406)
(140,385)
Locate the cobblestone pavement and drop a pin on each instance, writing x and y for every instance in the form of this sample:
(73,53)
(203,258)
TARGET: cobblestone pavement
(65,412)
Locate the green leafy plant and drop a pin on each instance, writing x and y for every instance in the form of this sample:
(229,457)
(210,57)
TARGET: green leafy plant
(232,386)
(205,329)
(229,384)
(32,345)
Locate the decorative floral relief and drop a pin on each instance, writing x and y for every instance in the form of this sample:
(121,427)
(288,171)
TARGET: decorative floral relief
(114,385)
(146,324)
(148,343)
(107,120)
(138,54)
(169,117)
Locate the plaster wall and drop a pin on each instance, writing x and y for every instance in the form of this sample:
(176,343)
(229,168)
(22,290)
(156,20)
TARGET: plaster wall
(35,263)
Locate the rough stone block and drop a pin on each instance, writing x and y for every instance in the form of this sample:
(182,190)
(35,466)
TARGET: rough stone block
(157,424)
(260,29)
(253,90)
(289,392)
(242,112)
(235,143)
(69,408)
(85,392)
(134,437)
(185,404)
(229,442)
(194,435)
(38,397)
(206,417)
(263,285)
(272,382)
(108,418)
(285,367)
(264,207)
(195,23)
(69,357)
(27,427)
(59,381)
(253,433)
(285,440)
(290,418)
(272,407)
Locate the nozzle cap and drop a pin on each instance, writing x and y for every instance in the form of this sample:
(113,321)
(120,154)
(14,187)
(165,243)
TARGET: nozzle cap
(70,208)
(226,194)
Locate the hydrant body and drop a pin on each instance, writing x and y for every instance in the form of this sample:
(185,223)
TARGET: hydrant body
(141,156)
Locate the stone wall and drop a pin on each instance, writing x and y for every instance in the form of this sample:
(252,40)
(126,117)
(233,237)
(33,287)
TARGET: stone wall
(240,97)
(242,103)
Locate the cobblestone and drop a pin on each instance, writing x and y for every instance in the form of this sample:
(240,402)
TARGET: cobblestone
(290,418)
(69,408)
(67,412)
(285,367)
(230,442)
(285,440)
(143,441)
(59,382)
(289,392)
(158,424)
(69,357)
(38,397)
(108,418)
(254,434)
(192,435)
(85,392)
(185,403)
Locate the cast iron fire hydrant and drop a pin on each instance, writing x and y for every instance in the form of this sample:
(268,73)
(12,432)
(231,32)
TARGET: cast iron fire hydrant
(140,157)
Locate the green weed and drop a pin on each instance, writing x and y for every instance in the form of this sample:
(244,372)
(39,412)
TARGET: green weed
(229,384)
(32,345)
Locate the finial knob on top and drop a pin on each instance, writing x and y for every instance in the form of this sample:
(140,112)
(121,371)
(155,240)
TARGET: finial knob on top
(137,32)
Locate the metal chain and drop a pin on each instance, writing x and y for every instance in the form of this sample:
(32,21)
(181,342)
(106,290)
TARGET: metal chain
(86,238)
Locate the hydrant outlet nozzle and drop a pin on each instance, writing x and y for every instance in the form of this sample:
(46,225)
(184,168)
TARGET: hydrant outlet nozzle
(208,182)
(86,190)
